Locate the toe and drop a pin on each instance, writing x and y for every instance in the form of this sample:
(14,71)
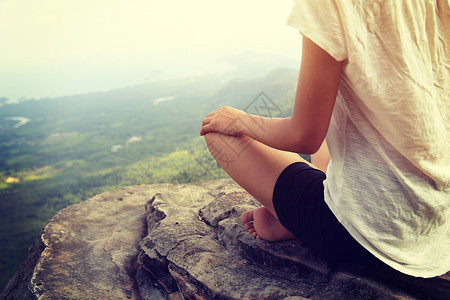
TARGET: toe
(249,225)
(247,216)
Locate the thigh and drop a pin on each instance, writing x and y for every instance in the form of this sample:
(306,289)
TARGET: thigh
(253,165)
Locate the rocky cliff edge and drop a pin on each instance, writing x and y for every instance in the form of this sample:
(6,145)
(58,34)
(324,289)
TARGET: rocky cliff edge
(187,242)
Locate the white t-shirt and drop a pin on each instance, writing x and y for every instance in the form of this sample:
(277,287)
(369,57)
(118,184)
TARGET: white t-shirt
(388,182)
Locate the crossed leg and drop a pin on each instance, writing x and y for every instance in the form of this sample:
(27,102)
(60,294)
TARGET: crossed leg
(255,167)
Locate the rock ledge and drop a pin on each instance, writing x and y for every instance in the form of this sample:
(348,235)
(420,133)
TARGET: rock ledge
(187,242)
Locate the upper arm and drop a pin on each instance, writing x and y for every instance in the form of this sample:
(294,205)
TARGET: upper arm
(317,88)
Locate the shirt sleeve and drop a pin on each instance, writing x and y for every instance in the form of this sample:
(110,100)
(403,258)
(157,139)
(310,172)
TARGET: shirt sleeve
(320,21)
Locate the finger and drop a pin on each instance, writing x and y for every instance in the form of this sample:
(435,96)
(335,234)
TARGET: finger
(205,129)
(206,120)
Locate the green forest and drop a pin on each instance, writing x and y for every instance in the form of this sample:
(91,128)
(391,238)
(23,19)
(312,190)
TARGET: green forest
(61,151)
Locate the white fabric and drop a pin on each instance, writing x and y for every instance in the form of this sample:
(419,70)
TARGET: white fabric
(388,181)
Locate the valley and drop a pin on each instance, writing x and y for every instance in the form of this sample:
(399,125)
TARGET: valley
(60,151)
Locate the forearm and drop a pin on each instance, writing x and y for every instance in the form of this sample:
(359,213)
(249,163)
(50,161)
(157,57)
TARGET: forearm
(280,133)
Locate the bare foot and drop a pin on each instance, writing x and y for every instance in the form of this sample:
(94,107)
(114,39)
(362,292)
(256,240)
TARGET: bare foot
(261,223)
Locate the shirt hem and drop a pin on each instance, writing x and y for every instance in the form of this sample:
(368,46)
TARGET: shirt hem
(366,244)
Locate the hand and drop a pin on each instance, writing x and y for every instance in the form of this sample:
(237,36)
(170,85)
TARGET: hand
(226,120)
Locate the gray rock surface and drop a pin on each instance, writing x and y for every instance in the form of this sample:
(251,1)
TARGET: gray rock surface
(187,242)
(89,249)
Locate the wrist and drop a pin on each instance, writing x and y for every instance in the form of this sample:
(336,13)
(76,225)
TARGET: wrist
(252,125)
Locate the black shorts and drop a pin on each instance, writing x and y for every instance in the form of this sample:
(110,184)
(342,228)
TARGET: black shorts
(298,199)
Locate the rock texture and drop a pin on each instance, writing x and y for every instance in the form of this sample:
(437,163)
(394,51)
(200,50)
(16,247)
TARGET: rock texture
(88,250)
(187,242)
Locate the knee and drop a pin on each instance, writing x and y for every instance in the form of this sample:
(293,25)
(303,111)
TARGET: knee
(210,139)
(219,147)
(218,143)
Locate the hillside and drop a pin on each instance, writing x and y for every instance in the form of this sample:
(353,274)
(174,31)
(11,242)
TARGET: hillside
(64,150)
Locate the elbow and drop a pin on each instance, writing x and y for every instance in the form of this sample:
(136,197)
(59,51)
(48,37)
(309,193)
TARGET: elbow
(306,144)
(306,137)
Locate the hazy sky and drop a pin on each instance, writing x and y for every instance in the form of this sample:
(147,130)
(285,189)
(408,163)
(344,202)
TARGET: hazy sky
(62,47)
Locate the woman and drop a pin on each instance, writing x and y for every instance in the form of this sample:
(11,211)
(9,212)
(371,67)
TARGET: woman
(374,80)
